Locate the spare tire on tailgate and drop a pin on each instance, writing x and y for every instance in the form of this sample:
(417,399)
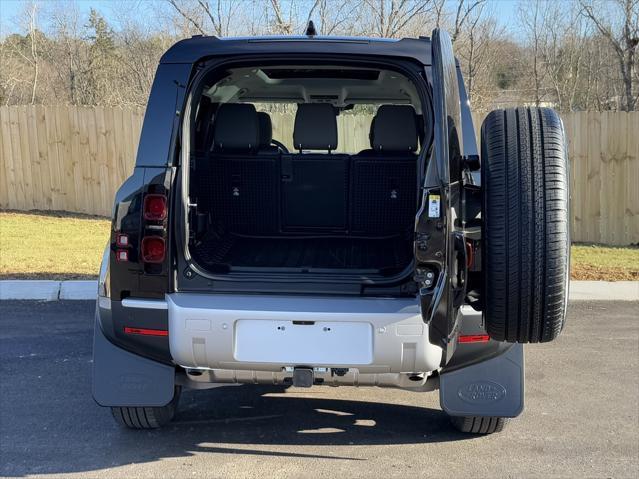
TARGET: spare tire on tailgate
(525,235)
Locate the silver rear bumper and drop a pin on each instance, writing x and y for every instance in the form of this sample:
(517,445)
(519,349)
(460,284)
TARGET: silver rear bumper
(205,379)
(270,333)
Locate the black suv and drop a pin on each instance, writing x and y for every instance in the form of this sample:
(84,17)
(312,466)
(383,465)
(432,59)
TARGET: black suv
(406,260)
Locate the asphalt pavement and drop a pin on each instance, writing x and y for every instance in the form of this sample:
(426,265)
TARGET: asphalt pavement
(581,417)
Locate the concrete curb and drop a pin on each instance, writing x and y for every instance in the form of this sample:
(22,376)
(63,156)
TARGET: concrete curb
(45,290)
(604,291)
(41,290)
(78,289)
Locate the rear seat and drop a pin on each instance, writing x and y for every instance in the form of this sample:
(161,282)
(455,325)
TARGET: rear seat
(315,186)
(248,187)
(384,178)
(241,185)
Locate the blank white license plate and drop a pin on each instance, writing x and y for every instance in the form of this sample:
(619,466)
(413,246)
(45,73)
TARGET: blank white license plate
(285,342)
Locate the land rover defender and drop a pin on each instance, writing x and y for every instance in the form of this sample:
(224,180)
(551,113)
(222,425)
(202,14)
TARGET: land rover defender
(259,240)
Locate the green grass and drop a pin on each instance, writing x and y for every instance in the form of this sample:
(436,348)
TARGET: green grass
(45,245)
(39,245)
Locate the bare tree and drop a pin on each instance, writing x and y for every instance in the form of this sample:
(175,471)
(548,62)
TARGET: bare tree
(455,19)
(32,15)
(533,21)
(478,48)
(338,17)
(283,24)
(188,15)
(390,17)
(623,38)
(221,16)
(562,52)
(70,53)
(578,54)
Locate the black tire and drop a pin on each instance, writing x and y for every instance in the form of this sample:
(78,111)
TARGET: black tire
(478,425)
(526,236)
(146,417)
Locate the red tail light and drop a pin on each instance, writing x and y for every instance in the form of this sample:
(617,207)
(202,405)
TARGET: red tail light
(474,338)
(153,249)
(154,207)
(146,332)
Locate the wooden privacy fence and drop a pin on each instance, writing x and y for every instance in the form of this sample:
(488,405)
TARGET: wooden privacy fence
(74,159)
(66,158)
(604,170)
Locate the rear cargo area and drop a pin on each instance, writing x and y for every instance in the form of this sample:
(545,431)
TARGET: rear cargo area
(261,206)
(384,255)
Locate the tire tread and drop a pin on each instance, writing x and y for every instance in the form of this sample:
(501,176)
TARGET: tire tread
(146,417)
(478,424)
(525,224)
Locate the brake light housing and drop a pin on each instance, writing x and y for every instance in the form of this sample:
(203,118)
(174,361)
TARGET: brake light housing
(153,249)
(155,207)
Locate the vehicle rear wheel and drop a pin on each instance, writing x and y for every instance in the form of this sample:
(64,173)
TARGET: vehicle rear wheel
(526,240)
(146,417)
(478,425)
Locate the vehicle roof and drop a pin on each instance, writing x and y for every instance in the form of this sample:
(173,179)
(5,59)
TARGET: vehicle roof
(193,49)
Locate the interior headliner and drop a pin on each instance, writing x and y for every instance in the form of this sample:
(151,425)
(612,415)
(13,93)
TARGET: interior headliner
(295,84)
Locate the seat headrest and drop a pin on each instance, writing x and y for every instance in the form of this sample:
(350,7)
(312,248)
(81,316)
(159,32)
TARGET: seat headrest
(315,127)
(266,129)
(371,132)
(236,127)
(394,128)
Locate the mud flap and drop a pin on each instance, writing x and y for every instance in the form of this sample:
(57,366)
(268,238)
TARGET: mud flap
(121,378)
(494,387)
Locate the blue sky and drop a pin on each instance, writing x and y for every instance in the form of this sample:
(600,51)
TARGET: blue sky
(9,9)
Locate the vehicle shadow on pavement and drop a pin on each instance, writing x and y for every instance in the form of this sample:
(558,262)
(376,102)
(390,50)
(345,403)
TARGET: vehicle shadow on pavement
(270,415)
(252,416)
(239,420)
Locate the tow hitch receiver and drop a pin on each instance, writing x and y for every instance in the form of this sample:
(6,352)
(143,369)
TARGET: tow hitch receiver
(303,377)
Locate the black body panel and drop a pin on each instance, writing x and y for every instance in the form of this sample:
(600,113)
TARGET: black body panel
(127,219)
(161,120)
(134,278)
(196,48)
(114,320)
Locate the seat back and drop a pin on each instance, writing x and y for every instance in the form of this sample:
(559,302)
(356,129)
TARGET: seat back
(241,186)
(315,186)
(384,179)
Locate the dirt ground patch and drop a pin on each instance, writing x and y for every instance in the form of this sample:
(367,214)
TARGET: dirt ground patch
(605,263)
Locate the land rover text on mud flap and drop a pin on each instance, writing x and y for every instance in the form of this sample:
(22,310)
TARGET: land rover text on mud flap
(414,261)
